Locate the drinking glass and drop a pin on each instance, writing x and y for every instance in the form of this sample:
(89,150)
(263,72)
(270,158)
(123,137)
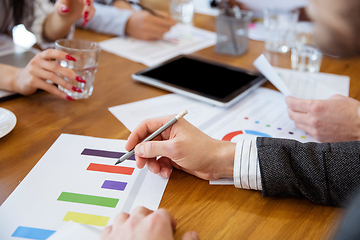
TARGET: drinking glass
(86,54)
(182,10)
(280,26)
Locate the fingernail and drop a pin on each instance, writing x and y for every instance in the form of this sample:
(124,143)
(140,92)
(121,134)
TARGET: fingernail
(140,150)
(150,167)
(86,14)
(70,98)
(76,89)
(88,2)
(163,173)
(80,79)
(65,9)
(84,23)
(71,58)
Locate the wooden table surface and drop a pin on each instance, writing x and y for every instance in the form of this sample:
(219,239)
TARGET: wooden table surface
(215,212)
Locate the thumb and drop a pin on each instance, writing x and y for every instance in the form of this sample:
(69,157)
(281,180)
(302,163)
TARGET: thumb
(190,236)
(152,149)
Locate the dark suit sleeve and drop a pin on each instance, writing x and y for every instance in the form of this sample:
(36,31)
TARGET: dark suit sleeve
(325,173)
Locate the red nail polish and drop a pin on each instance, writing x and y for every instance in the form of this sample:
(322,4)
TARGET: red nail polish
(65,9)
(80,79)
(76,89)
(68,57)
(70,98)
(86,14)
(88,2)
(84,23)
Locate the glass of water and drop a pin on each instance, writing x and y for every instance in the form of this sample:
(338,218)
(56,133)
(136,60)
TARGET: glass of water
(182,10)
(305,57)
(280,26)
(86,54)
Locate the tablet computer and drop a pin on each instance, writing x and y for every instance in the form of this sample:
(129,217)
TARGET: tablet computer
(204,80)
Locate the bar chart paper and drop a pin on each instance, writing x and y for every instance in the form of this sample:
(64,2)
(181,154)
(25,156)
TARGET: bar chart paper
(76,180)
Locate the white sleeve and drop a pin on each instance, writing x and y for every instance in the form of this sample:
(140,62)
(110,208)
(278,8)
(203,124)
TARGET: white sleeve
(246,166)
(108,20)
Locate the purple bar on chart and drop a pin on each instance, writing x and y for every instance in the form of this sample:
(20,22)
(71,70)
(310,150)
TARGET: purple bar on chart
(105,154)
(114,185)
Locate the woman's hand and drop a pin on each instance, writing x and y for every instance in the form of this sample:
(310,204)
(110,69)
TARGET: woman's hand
(41,68)
(73,10)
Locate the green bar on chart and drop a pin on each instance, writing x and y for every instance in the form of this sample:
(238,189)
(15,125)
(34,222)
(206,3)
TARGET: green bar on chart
(88,199)
(89,219)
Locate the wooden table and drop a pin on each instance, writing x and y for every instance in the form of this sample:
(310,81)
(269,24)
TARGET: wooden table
(215,212)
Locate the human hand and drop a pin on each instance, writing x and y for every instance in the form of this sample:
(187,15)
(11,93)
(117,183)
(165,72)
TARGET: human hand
(333,120)
(73,10)
(143,224)
(42,68)
(183,146)
(146,26)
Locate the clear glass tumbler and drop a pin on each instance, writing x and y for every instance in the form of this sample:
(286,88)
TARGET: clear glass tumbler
(182,10)
(86,54)
(280,26)
(232,32)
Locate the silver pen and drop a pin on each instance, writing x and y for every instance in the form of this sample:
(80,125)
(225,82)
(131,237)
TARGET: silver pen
(153,135)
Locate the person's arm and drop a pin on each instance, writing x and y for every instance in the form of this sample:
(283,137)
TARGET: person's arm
(333,120)
(324,173)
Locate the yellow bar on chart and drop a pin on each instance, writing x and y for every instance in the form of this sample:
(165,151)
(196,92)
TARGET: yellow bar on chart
(86,218)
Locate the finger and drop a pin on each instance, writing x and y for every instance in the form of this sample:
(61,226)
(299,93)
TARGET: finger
(62,7)
(144,129)
(121,217)
(50,88)
(153,166)
(153,149)
(298,117)
(105,232)
(165,167)
(42,75)
(50,54)
(190,236)
(141,211)
(166,215)
(299,105)
(53,67)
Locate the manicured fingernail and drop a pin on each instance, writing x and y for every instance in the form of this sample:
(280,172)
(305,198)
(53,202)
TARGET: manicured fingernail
(86,14)
(71,58)
(65,9)
(84,23)
(88,2)
(70,98)
(80,79)
(76,89)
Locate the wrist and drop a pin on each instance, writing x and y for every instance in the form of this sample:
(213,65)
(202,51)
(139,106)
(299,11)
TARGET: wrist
(224,156)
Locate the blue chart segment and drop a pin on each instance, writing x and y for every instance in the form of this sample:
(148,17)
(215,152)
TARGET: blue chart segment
(32,233)
(230,136)
(105,154)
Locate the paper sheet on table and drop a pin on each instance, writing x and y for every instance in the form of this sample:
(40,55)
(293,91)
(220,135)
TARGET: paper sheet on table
(181,39)
(76,180)
(76,231)
(132,114)
(303,84)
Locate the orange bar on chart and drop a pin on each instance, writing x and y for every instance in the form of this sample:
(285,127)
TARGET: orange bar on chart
(110,169)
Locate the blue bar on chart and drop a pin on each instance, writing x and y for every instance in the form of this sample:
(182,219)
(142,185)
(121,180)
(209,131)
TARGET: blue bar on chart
(114,185)
(32,233)
(105,154)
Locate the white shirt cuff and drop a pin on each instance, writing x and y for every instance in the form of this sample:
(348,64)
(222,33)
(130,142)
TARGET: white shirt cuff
(246,166)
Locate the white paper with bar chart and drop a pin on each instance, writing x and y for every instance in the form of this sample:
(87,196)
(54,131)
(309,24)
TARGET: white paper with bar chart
(77,180)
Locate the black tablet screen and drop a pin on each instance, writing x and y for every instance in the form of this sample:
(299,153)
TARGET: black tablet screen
(215,81)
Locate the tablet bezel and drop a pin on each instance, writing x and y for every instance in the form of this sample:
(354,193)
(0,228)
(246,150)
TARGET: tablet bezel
(224,102)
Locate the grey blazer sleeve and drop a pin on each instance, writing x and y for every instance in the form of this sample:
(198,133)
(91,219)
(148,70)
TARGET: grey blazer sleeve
(325,173)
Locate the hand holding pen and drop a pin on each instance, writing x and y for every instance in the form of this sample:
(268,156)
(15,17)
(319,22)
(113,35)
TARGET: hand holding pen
(148,24)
